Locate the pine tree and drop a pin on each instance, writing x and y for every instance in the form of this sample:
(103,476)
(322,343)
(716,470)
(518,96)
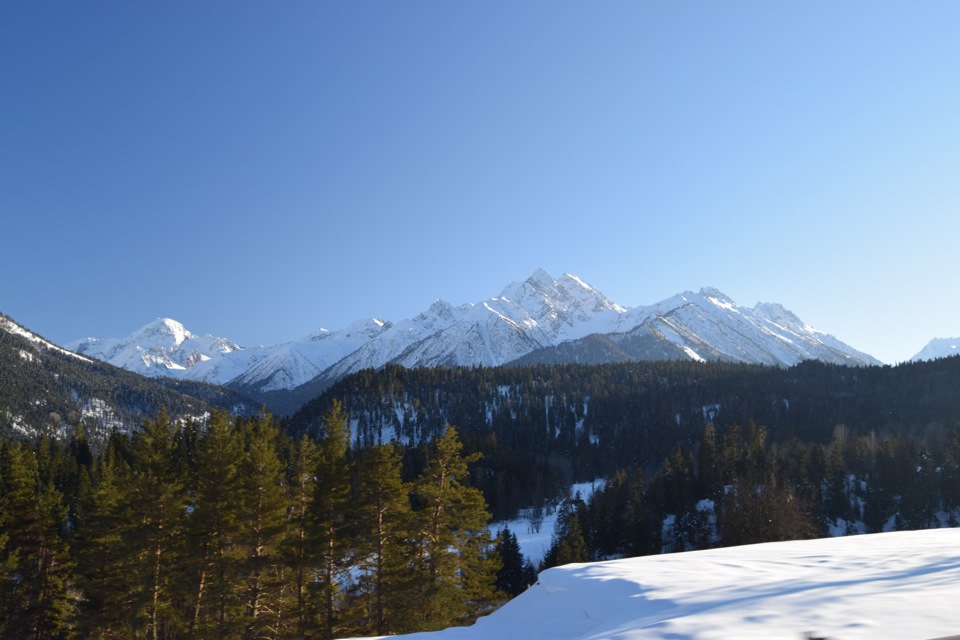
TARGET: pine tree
(34,600)
(456,564)
(331,518)
(157,507)
(213,531)
(383,517)
(516,573)
(297,550)
(263,527)
(570,540)
(106,566)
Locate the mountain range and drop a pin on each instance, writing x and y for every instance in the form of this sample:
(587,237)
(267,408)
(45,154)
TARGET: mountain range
(539,320)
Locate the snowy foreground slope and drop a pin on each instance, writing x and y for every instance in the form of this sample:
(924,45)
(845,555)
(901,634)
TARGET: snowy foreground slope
(891,585)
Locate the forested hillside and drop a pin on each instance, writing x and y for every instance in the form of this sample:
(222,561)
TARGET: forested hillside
(45,390)
(540,428)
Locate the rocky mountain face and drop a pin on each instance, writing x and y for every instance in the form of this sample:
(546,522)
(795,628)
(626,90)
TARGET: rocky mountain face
(541,319)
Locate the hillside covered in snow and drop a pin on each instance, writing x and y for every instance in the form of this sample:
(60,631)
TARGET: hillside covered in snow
(902,585)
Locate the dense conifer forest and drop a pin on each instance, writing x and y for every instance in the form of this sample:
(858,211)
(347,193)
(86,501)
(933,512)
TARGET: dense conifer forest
(235,530)
(542,428)
(367,512)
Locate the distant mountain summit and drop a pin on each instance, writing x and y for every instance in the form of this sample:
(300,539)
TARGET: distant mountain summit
(164,347)
(938,348)
(539,320)
(48,390)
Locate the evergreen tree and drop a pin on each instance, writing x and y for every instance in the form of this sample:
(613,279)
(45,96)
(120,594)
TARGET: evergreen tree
(213,531)
(570,536)
(331,519)
(455,563)
(383,517)
(263,527)
(157,505)
(303,479)
(106,566)
(34,599)
(516,572)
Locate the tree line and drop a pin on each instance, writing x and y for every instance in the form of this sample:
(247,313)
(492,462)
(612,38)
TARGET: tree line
(232,529)
(542,428)
(736,487)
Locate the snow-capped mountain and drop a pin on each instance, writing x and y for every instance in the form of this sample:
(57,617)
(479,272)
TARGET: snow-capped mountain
(938,348)
(710,326)
(295,363)
(164,347)
(49,390)
(538,312)
(541,319)
(705,326)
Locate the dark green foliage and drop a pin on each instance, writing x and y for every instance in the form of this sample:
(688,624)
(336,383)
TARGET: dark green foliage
(516,573)
(263,528)
(214,561)
(34,561)
(455,564)
(328,532)
(384,519)
(541,428)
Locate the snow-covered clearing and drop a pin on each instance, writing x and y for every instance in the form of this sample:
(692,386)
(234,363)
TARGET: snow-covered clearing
(535,541)
(891,585)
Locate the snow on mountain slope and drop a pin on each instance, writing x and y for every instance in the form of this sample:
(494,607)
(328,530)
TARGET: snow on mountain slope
(540,311)
(938,348)
(564,308)
(901,585)
(8,325)
(164,347)
(396,339)
(295,363)
(710,326)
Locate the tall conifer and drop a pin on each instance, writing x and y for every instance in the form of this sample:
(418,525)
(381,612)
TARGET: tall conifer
(35,604)
(456,563)
(263,527)
(213,530)
(383,517)
(157,508)
(331,519)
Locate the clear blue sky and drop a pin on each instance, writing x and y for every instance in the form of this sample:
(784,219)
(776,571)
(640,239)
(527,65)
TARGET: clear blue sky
(257,170)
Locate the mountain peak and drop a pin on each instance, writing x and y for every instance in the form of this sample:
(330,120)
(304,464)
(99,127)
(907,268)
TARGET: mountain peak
(163,329)
(938,348)
(574,280)
(539,281)
(713,292)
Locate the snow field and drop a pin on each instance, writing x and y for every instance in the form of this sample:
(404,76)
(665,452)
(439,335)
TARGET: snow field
(903,585)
